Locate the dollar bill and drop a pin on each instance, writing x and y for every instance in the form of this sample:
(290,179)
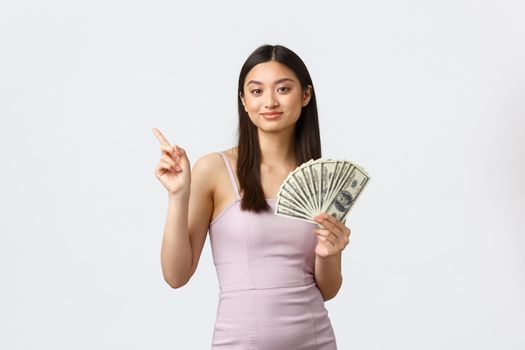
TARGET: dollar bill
(310,173)
(345,198)
(307,176)
(279,210)
(298,183)
(327,172)
(291,207)
(322,185)
(291,190)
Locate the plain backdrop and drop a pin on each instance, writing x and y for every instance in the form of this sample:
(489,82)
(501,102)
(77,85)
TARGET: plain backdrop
(427,96)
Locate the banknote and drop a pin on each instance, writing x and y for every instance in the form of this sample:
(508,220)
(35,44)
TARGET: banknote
(322,185)
(344,198)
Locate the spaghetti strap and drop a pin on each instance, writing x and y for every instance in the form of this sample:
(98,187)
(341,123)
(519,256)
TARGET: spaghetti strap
(232,177)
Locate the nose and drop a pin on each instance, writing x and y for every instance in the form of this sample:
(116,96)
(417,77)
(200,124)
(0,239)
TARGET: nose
(272,101)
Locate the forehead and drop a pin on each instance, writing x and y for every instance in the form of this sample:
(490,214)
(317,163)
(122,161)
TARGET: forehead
(268,72)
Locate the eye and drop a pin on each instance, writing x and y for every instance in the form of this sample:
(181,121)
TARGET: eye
(256,91)
(286,89)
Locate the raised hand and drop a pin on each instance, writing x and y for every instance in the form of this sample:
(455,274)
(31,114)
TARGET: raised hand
(173,170)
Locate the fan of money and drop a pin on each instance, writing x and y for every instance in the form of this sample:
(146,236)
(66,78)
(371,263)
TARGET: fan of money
(323,185)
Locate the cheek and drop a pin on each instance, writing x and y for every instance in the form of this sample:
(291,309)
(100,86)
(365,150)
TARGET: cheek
(293,100)
(253,104)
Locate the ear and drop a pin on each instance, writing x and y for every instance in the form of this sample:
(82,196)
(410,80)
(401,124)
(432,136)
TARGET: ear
(242,100)
(307,94)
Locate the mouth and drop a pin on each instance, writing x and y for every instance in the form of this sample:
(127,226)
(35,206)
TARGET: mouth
(272,115)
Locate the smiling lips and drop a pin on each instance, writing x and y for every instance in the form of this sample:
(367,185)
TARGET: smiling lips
(271,115)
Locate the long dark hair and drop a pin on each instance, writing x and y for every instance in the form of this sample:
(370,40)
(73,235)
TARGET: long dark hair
(307,143)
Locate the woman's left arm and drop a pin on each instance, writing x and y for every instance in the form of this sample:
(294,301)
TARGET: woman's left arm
(332,239)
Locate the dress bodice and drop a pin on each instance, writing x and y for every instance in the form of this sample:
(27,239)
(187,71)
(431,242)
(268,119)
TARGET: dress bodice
(260,250)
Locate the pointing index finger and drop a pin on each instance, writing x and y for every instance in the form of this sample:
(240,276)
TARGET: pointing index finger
(161,137)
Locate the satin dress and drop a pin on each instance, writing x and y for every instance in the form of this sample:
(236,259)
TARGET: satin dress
(268,298)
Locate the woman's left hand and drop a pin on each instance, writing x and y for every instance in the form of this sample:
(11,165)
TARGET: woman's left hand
(333,237)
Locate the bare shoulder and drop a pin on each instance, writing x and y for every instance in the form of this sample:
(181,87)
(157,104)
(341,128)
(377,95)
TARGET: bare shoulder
(231,154)
(213,161)
(210,170)
(205,167)
(207,162)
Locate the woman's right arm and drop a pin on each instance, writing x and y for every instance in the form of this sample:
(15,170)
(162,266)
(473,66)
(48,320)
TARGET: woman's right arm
(188,216)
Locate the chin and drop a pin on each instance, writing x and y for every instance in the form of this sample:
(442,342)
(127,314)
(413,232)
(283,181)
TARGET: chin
(275,128)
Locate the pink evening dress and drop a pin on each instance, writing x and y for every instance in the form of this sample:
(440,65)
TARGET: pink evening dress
(268,297)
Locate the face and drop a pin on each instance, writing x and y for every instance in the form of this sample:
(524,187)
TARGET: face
(341,198)
(273,97)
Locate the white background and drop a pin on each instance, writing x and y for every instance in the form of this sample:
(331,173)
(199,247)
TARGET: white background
(428,96)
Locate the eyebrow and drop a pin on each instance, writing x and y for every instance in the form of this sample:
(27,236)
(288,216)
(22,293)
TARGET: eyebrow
(276,82)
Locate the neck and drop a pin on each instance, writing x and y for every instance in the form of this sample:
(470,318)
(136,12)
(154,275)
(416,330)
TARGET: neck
(277,149)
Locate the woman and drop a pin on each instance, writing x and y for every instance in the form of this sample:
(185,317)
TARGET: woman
(274,272)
